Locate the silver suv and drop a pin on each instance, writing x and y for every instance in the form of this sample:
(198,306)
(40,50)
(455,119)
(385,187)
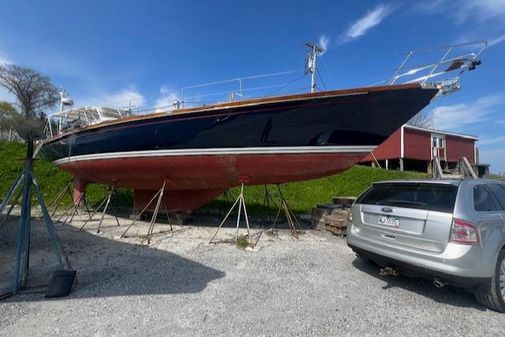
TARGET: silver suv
(450,231)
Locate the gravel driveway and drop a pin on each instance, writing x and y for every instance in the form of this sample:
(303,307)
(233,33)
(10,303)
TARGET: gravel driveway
(181,286)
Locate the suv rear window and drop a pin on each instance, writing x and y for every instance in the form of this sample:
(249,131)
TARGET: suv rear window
(433,197)
(482,199)
(498,191)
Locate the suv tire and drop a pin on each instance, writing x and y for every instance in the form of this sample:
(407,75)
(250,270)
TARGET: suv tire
(494,298)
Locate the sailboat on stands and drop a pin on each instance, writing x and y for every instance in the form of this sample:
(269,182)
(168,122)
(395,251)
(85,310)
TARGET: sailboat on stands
(201,151)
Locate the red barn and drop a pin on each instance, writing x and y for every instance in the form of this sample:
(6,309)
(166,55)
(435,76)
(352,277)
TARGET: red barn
(413,148)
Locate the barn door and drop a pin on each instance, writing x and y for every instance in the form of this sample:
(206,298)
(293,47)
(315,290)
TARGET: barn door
(438,146)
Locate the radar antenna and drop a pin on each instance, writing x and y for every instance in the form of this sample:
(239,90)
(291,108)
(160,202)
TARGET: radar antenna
(310,66)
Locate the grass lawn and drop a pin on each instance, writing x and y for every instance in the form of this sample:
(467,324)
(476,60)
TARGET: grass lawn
(302,196)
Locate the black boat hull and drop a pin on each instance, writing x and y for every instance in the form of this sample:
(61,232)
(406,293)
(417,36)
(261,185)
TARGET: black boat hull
(271,141)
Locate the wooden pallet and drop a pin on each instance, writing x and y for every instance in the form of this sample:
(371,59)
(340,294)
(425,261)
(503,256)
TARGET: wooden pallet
(343,201)
(332,218)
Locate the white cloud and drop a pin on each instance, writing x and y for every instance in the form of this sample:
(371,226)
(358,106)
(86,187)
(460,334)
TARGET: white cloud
(483,18)
(497,40)
(4,60)
(464,10)
(124,97)
(369,20)
(430,7)
(117,99)
(453,117)
(166,99)
(481,10)
(494,140)
(324,42)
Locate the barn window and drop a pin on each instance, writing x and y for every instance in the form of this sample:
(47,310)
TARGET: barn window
(438,141)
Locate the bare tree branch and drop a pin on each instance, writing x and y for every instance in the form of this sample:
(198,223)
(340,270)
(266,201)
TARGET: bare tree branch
(34,93)
(423,120)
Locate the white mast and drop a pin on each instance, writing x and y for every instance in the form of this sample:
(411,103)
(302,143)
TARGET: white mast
(311,63)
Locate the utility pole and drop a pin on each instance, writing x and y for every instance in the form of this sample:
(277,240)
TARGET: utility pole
(310,67)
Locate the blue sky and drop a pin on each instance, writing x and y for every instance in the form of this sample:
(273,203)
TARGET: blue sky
(108,52)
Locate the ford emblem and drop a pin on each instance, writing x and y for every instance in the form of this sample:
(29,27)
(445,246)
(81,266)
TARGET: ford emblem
(387,209)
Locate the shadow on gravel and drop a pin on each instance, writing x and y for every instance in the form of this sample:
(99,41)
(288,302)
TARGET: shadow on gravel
(104,267)
(448,295)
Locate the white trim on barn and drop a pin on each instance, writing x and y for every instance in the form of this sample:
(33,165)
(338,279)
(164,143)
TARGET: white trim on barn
(461,135)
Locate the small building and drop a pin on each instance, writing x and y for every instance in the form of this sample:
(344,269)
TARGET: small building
(413,148)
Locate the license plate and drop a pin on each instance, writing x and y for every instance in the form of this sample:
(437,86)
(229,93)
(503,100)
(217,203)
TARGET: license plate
(388,220)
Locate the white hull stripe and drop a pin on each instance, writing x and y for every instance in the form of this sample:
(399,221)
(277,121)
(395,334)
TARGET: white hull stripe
(219,151)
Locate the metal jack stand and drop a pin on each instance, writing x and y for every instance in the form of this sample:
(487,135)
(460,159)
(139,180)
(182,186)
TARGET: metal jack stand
(226,197)
(158,195)
(241,205)
(23,240)
(72,210)
(106,201)
(290,216)
(268,201)
(57,201)
(10,193)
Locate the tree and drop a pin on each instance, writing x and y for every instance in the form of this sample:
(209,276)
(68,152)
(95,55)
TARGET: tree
(34,94)
(33,91)
(423,120)
(7,111)
(7,108)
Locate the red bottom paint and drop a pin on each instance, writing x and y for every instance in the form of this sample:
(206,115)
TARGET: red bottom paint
(192,181)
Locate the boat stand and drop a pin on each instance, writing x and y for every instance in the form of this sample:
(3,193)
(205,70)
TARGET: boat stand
(240,201)
(72,210)
(158,195)
(106,201)
(291,219)
(268,201)
(226,197)
(23,241)
(57,201)
(15,200)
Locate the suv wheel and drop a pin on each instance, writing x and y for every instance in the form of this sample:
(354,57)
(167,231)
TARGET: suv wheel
(495,298)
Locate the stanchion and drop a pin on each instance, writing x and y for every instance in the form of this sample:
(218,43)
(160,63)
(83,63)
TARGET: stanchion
(159,196)
(226,197)
(268,201)
(106,201)
(240,201)
(57,201)
(13,204)
(72,210)
(291,218)
(11,192)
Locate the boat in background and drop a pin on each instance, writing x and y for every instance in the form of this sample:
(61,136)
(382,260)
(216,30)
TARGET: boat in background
(199,152)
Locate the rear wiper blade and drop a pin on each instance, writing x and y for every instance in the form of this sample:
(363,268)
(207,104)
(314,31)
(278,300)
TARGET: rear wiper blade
(402,202)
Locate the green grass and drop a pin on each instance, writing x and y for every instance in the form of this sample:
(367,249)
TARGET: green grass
(302,196)
(242,242)
(51,179)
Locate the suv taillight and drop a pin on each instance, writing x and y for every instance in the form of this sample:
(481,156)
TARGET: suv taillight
(464,232)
